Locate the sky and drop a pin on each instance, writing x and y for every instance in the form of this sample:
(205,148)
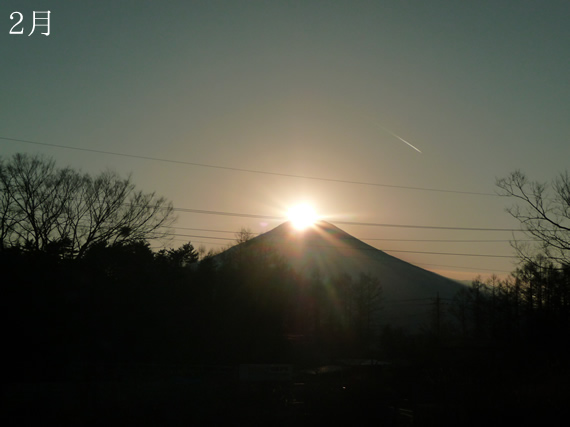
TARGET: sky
(273,94)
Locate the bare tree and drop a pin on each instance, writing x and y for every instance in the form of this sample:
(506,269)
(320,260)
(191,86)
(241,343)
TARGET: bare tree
(544,214)
(42,207)
(243,235)
(8,213)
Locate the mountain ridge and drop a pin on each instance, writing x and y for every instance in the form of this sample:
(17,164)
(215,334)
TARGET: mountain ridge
(329,251)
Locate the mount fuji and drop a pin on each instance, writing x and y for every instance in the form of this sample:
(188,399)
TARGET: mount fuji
(408,292)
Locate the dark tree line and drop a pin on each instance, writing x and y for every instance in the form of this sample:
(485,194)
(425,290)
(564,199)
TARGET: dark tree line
(531,308)
(122,303)
(81,287)
(80,283)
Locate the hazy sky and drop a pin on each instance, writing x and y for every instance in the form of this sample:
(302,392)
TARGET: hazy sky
(310,88)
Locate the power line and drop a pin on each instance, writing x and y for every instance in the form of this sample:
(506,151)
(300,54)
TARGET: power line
(431,227)
(214,231)
(200,237)
(253,171)
(367,224)
(365,248)
(462,267)
(197,241)
(415,263)
(385,239)
(387,250)
(450,253)
(222,213)
(390,250)
(449,240)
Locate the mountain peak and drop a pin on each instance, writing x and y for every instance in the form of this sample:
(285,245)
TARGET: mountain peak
(321,232)
(330,251)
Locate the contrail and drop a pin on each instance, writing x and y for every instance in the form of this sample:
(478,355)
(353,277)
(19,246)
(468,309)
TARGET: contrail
(401,139)
(373,120)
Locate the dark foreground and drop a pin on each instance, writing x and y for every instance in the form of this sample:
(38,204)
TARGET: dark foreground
(332,395)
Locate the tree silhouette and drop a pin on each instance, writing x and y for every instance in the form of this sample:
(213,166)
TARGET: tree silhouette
(244,235)
(184,256)
(45,208)
(544,215)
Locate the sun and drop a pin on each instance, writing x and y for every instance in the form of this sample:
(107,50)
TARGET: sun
(302,216)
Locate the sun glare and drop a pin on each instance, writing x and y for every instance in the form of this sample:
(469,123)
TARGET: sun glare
(302,216)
